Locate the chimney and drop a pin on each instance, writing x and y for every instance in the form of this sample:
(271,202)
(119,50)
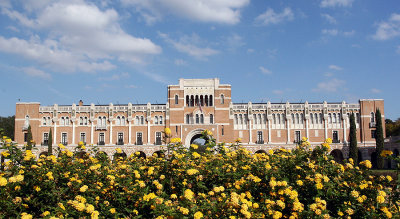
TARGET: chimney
(80,103)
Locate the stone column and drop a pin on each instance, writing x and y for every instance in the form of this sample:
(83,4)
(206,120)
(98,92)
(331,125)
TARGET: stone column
(130,132)
(148,132)
(111,134)
(326,127)
(288,130)
(73,132)
(269,131)
(307,134)
(91,132)
(55,133)
(250,135)
(344,128)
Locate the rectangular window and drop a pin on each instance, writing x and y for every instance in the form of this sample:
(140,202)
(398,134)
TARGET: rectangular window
(46,138)
(101,139)
(260,139)
(139,140)
(83,137)
(158,138)
(373,133)
(316,133)
(176,129)
(297,138)
(120,138)
(64,138)
(222,131)
(335,137)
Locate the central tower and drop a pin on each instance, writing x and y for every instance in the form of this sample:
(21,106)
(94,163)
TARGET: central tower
(199,104)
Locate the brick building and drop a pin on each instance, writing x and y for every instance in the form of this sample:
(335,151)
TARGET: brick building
(193,106)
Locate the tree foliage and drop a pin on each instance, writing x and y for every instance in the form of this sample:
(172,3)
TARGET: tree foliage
(353,139)
(29,139)
(379,138)
(392,127)
(50,143)
(7,125)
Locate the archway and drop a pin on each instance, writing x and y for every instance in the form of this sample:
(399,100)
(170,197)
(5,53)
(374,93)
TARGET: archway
(374,158)
(140,154)
(261,152)
(191,136)
(118,156)
(337,155)
(45,153)
(197,140)
(359,158)
(159,154)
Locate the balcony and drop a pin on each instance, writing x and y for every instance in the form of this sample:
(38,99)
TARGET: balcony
(260,142)
(372,124)
(101,143)
(120,142)
(101,127)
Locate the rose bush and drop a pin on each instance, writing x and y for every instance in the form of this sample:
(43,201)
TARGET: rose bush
(222,181)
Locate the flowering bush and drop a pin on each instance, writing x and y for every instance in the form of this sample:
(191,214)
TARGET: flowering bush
(223,181)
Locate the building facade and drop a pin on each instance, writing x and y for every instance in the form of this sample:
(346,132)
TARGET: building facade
(192,106)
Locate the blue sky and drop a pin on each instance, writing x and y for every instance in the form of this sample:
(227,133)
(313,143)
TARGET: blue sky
(129,50)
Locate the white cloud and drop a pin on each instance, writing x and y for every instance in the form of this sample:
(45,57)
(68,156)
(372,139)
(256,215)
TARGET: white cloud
(335,67)
(336,32)
(114,77)
(388,29)
(376,91)
(329,86)
(336,3)
(270,17)
(278,92)
(250,50)
(218,11)
(329,18)
(234,41)
(265,70)
(180,62)
(189,45)
(76,36)
(33,72)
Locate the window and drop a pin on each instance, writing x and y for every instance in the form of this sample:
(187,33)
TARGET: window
(176,99)
(118,121)
(83,137)
(297,137)
(67,120)
(206,100)
(329,118)
(123,120)
(120,138)
(142,120)
(44,122)
(139,140)
(197,119)
(101,139)
(187,119)
(338,119)
(80,120)
(48,121)
(137,120)
(273,119)
(156,120)
(373,133)
(372,117)
(297,119)
(255,119)
(201,119)
(62,121)
(161,120)
(187,100)
(103,122)
(212,118)
(46,138)
(222,99)
(236,119)
(211,100)
(335,137)
(316,133)
(320,118)
(176,129)
(64,138)
(222,131)
(158,138)
(334,118)
(260,139)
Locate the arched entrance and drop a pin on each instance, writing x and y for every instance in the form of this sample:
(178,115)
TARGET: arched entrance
(197,140)
(337,155)
(192,136)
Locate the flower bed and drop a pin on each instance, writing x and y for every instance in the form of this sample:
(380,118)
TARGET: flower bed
(221,182)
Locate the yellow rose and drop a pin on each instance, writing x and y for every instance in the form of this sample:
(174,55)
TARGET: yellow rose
(112,210)
(167,131)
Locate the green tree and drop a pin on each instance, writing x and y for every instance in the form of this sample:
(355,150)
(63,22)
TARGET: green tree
(50,143)
(379,138)
(29,138)
(353,139)
(7,125)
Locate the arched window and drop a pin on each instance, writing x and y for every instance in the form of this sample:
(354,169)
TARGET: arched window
(297,118)
(236,119)
(161,120)
(137,120)
(44,121)
(201,100)
(212,118)
(197,118)
(81,120)
(372,117)
(278,119)
(301,118)
(240,119)
(334,118)
(211,100)
(201,119)
(67,120)
(282,119)
(206,100)
(142,120)
(274,119)
(104,121)
(187,100)
(255,118)
(316,118)
(338,120)
(156,120)
(62,121)
(99,121)
(118,121)
(293,118)
(222,99)
(123,120)
(311,118)
(176,99)
(196,101)
(192,100)
(187,119)
(320,118)
(48,121)
(329,118)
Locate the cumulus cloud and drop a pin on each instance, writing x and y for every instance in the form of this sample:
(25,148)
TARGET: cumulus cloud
(329,18)
(218,11)
(388,29)
(336,3)
(33,72)
(265,71)
(335,67)
(77,36)
(190,45)
(329,86)
(271,17)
